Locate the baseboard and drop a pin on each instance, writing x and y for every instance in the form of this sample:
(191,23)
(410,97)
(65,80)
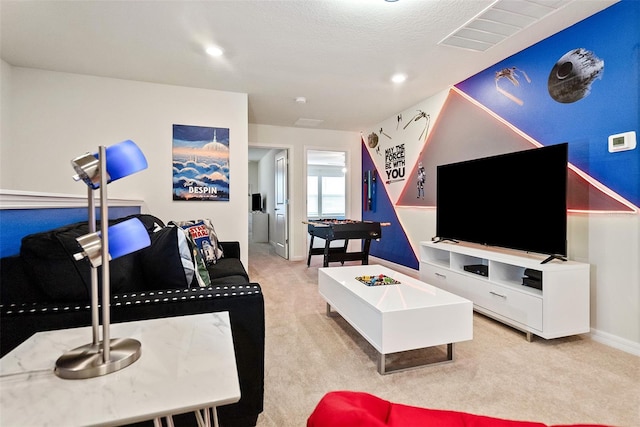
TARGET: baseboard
(615,341)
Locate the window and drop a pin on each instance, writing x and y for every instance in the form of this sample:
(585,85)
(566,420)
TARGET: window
(326,184)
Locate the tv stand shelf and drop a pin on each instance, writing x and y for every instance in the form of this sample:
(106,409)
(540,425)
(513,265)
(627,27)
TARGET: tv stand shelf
(560,308)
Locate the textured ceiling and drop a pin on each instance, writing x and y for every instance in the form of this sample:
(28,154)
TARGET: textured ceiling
(339,54)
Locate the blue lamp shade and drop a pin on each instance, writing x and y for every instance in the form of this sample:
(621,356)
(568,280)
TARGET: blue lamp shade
(127,237)
(124,238)
(123,159)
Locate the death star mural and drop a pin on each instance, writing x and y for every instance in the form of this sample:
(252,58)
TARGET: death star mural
(571,78)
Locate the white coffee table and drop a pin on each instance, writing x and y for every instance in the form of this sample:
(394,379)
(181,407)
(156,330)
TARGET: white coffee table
(396,318)
(187,364)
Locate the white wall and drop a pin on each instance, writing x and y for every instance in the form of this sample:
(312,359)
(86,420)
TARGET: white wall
(298,140)
(5,97)
(53,117)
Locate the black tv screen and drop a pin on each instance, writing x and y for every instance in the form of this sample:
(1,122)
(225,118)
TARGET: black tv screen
(515,200)
(256,202)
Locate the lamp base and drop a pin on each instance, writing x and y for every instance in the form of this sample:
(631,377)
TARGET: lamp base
(86,361)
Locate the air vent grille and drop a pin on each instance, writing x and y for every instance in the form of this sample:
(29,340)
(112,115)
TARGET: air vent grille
(502,19)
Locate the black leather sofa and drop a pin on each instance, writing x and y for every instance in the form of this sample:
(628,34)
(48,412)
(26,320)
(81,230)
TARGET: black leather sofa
(41,290)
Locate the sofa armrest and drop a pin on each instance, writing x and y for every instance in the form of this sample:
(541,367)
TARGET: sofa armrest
(231,249)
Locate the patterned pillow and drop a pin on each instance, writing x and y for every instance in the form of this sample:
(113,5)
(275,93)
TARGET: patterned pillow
(200,267)
(204,235)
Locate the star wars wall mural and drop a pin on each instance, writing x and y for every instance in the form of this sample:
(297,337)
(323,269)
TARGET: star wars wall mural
(579,86)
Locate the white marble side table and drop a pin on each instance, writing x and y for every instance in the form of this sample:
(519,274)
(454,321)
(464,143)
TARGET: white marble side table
(187,364)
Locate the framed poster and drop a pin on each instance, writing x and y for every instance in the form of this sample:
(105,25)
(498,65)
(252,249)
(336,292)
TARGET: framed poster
(200,163)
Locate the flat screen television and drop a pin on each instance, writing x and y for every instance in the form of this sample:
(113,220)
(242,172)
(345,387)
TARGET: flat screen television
(256,202)
(516,200)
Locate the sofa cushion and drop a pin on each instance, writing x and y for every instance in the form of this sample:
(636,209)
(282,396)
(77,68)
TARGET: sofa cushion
(229,280)
(227,267)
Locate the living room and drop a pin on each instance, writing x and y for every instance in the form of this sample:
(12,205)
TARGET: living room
(49,116)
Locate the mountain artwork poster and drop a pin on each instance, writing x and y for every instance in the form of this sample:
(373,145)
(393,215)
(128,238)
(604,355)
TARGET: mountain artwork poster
(200,163)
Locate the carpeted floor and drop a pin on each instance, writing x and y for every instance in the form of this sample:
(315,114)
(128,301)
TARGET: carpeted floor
(498,373)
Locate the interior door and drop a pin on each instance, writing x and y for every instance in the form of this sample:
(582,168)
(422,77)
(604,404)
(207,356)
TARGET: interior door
(282,204)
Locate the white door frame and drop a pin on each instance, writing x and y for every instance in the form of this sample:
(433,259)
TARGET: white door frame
(281,203)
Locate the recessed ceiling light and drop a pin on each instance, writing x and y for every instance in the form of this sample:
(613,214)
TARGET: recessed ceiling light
(214,51)
(398,78)
(301,100)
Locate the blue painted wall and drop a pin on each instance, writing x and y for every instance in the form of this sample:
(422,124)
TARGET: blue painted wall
(394,245)
(17,223)
(610,107)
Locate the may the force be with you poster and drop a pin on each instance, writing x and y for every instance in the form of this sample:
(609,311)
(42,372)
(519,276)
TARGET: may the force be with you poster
(200,163)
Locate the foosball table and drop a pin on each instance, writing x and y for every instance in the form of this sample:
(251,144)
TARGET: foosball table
(344,229)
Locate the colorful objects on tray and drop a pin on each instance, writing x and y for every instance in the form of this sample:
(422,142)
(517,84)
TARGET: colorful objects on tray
(377,280)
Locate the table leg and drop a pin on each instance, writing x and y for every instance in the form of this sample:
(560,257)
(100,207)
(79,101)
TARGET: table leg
(365,252)
(157,422)
(310,249)
(344,249)
(331,313)
(204,417)
(382,364)
(383,369)
(327,244)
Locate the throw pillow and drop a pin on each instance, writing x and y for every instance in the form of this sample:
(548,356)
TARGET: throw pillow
(167,263)
(49,262)
(204,234)
(201,275)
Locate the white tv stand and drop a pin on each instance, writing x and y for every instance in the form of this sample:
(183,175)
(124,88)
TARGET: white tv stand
(560,308)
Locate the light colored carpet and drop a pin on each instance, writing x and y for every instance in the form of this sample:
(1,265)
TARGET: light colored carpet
(498,373)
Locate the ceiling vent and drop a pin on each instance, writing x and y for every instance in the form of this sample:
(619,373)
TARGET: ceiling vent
(502,19)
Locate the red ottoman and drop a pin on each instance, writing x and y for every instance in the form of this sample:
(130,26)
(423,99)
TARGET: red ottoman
(357,409)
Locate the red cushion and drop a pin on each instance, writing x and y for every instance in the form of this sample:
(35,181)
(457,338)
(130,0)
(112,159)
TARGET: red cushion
(349,409)
(357,409)
(410,416)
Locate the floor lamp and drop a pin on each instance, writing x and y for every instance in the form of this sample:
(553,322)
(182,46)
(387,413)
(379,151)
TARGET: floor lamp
(108,355)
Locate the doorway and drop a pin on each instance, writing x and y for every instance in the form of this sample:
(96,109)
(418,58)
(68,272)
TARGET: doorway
(268,175)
